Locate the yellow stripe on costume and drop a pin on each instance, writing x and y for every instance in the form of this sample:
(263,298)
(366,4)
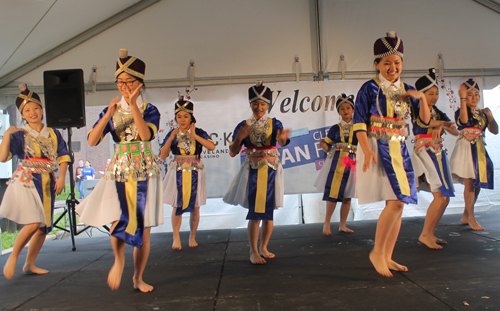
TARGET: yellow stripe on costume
(422,125)
(441,172)
(131,195)
(153,127)
(481,162)
(397,164)
(329,141)
(260,197)
(47,198)
(64,158)
(270,132)
(337,176)
(186,188)
(360,127)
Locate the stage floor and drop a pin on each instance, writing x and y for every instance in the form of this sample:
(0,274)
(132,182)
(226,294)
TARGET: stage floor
(310,272)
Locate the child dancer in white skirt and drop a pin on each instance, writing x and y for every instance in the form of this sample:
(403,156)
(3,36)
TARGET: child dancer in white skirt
(383,166)
(29,198)
(259,185)
(129,194)
(185,185)
(470,163)
(337,176)
(430,161)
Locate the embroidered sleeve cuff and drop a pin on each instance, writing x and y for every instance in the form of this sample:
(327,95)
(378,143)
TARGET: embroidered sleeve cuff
(9,157)
(100,138)
(329,141)
(422,123)
(153,128)
(359,127)
(64,158)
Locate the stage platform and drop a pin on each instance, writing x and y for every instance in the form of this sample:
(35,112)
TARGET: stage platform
(310,272)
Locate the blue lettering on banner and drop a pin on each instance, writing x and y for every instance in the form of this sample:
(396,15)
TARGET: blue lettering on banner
(302,149)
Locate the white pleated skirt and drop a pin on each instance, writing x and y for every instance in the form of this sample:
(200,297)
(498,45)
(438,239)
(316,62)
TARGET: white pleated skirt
(170,190)
(423,165)
(102,206)
(237,193)
(372,185)
(22,204)
(461,161)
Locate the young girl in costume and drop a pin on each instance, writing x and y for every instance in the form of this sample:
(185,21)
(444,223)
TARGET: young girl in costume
(430,161)
(470,163)
(29,198)
(129,193)
(336,178)
(259,185)
(185,185)
(384,170)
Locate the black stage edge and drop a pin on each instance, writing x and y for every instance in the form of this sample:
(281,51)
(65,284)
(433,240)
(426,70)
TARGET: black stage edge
(310,272)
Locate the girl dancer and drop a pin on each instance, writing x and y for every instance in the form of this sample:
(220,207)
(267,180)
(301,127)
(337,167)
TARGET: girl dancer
(384,170)
(430,161)
(129,194)
(29,198)
(259,185)
(336,178)
(470,163)
(185,185)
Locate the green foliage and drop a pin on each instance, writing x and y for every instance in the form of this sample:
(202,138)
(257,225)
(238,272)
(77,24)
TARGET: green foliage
(8,239)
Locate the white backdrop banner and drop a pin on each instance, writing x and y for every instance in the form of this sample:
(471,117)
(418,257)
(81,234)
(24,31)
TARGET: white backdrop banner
(307,108)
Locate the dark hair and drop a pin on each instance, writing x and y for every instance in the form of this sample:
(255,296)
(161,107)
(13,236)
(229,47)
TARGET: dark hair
(416,111)
(475,122)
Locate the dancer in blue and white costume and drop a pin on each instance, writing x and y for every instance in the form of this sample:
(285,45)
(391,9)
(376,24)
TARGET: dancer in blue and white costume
(259,184)
(383,167)
(430,161)
(337,176)
(470,163)
(129,194)
(30,196)
(185,184)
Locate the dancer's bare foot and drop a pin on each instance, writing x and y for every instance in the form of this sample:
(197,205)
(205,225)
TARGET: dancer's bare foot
(392,265)
(177,243)
(345,229)
(475,225)
(143,287)
(115,275)
(9,268)
(326,229)
(378,262)
(266,254)
(256,259)
(192,242)
(34,270)
(429,242)
(464,220)
(439,241)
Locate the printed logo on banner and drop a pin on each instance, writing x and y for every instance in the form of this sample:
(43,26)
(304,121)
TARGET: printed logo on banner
(303,148)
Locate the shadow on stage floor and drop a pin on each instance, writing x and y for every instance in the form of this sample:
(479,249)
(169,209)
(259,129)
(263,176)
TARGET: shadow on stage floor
(310,272)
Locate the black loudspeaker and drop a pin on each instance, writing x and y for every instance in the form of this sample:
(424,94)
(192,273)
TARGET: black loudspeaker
(64,98)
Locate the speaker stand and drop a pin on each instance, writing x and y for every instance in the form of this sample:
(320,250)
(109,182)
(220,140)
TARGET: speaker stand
(72,201)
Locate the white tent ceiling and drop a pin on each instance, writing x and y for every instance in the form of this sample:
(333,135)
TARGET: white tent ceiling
(231,39)
(31,28)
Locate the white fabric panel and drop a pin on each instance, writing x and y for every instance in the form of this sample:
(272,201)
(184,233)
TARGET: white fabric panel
(462,30)
(223,37)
